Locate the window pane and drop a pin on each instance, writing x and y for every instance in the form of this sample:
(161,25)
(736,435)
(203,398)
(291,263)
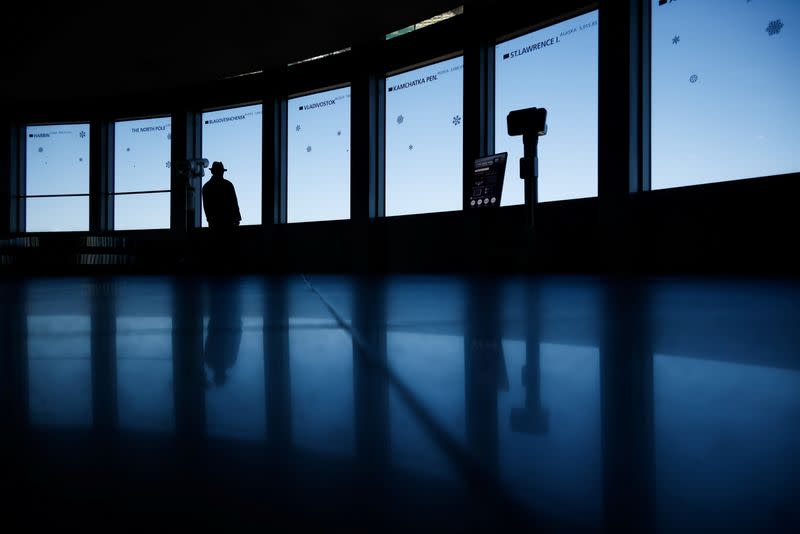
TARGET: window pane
(319,157)
(57,159)
(57,214)
(233,136)
(424,108)
(142,155)
(724,91)
(141,212)
(553,68)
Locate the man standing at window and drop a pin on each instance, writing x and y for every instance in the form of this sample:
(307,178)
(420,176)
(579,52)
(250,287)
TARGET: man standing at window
(219,200)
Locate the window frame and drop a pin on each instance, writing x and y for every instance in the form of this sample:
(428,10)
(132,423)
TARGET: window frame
(20,195)
(109,196)
(223,107)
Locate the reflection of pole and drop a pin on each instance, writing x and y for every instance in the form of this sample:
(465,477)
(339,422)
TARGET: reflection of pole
(278,390)
(13,357)
(532,418)
(626,385)
(104,373)
(276,354)
(188,371)
(371,391)
(484,370)
(13,383)
(104,364)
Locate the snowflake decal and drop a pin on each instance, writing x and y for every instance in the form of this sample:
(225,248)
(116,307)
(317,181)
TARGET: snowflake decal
(774,27)
(297,128)
(456,120)
(693,78)
(411,147)
(41,149)
(400,119)
(676,39)
(169,164)
(308,148)
(82,134)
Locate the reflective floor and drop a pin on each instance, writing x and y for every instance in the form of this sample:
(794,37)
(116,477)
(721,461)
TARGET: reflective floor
(404,402)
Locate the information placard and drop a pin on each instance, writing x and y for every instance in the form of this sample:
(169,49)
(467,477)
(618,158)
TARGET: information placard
(487,181)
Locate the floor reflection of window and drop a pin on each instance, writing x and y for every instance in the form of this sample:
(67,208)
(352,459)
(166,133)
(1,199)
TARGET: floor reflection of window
(726,440)
(550,453)
(144,373)
(60,370)
(432,366)
(235,406)
(321,369)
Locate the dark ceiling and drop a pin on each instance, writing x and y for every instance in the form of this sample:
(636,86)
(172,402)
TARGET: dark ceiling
(66,50)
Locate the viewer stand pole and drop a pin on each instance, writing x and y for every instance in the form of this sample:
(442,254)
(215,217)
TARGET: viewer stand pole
(529,171)
(530,123)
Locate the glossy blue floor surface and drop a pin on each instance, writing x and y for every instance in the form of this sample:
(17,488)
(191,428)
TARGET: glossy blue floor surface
(401,403)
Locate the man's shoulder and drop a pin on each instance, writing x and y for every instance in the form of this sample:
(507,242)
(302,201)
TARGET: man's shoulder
(211,184)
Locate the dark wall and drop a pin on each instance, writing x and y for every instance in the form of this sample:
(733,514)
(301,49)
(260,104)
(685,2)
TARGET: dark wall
(745,226)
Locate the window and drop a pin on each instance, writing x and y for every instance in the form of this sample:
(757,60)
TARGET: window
(424,110)
(724,91)
(553,68)
(321,56)
(233,136)
(427,22)
(57,178)
(142,174)
(318,166)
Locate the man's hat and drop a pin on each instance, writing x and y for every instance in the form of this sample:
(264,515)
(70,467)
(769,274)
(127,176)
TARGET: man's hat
(217,167)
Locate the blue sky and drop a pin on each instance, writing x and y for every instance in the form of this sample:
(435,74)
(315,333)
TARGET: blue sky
(57,163)
(233,136)
(740,117)
(318,166)
(424,138)
(141,153)
(560,76)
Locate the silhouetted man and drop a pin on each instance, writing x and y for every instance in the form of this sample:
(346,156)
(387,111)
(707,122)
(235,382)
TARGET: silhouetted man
(219,200)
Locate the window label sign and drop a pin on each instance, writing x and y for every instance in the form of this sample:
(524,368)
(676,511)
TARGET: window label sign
(487,181)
